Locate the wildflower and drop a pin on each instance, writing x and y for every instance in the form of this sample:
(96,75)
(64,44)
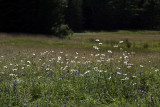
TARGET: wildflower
(125,62)
(125,57)
(108,60)
(29,62)
(121,42)
(134,76)
(87,72)
(39,77)
(157,70)
(13,75)
(151,98)
(23,73)
(100,70)
(97,54)
(134,83)
(59,58)
(140,94)
(141,66)
(47,69)
(14,85)
(61,52)
(129,67)
(140,73)
(118,68)
(115,46)
(5,67)
(34,54)
(87,66)
(76,57)
(109,51)
(37,105)
(121,49)
(72,61)
(124,74)
(119,73)
(15,69)
(103,55)
(95,47)
(139,88)
(97,40)
(1,79)
(109,78)
(100,43)
(125,79)
(83,57)
(133,53)
(18,80)
(25,101)
(23,96)
(98,60)
(2,56)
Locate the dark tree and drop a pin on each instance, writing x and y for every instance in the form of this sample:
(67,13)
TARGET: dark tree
(73,14)
(35,16)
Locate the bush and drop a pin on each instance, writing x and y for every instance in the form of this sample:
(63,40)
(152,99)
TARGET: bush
(128,44)
(62,31)
(145,45)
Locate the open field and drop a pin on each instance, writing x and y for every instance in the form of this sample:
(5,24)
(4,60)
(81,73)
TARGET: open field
(114,69)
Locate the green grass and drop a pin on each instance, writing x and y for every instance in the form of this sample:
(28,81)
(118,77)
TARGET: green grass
(137,42)
(56,79)
(50,72)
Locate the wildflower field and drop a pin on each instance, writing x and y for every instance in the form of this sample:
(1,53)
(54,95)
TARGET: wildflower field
(86,70)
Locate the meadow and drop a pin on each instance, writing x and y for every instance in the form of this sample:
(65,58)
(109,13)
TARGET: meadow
(90,69)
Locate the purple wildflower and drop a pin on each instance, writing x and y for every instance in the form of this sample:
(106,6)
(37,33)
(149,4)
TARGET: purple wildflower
(1,79)
(25,101)
(140,73)
(139,88)
(37,105)
(151,98)
(130,95)
(14,85)
(87,66)
(89,90)
(104,89)
(23,73)
(140,95)
(23,96)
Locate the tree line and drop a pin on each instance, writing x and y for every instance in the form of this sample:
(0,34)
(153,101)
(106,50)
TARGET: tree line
(54,16)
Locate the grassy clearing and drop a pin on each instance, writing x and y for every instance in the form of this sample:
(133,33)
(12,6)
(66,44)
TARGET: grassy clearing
(40,71)
(140,41)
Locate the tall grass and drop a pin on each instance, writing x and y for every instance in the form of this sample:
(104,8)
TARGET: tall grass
(89,78)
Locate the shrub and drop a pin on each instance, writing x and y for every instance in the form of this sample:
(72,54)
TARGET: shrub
(145,45)
(62,31)
(128,44)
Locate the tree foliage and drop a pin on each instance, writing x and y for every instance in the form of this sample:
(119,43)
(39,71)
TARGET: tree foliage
(35,16)
(44,16)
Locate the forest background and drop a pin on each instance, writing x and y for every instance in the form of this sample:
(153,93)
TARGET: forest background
(57,17)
